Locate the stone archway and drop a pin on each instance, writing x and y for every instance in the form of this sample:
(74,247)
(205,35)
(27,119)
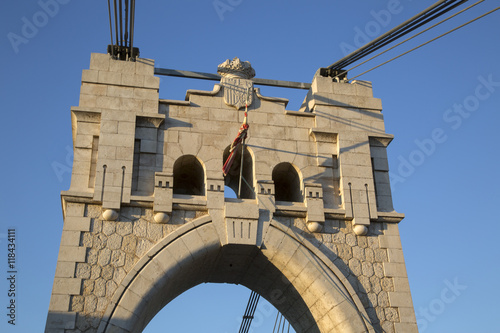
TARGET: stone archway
(292,276)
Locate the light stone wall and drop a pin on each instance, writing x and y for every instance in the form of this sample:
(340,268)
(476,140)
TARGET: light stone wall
(120,210)
(368,264)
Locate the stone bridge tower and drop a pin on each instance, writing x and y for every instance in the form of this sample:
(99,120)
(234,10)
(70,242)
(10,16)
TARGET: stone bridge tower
(145,218)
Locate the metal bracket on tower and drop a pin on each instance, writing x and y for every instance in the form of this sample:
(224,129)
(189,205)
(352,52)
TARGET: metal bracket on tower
(338,75)
(123,52)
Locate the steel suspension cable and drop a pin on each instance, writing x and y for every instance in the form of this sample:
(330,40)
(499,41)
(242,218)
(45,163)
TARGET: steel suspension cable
(417,47)
(116,22)
(121,22)
(125,37)
(132,23)
(277,315)
(110,28)
(410,38)
(279,323)
(249,312)
(413,23)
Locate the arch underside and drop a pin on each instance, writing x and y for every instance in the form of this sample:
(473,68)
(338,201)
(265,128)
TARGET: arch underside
(285,270)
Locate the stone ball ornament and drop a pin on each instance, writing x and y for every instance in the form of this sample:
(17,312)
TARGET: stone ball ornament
(314,226)
(360,230)
(110,215)
(161,217)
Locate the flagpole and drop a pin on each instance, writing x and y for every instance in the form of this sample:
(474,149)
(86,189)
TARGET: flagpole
(243,147)
(241,167)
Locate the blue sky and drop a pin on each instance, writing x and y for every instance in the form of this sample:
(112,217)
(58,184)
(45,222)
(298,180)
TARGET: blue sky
(442,103)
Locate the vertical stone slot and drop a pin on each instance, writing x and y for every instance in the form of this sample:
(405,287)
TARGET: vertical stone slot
(368,200)
(136,162)
(93,161)
(123,182)
(146,161)
(104,167)
(374,180)
(380,170)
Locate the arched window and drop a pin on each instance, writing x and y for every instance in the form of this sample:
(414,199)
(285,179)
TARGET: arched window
(189,177)
(287,183)
(232,179)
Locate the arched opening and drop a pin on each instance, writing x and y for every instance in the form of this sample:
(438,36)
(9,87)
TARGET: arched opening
(287,183)
(232,179)
(214,307)
(229,193)
(313,297)
(189,176)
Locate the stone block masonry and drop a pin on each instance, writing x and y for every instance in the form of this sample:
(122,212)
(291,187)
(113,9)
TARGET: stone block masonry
(146,217)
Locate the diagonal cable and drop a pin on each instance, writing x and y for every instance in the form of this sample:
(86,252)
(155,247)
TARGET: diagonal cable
(249,312)
(417,47)
(413,23)
(408,39)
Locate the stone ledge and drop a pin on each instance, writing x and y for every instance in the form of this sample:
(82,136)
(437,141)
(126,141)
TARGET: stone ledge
(323,135)
(335,214)
(393,217)
(241,208)
(300,114)
(174,102)
(380,140)
(290,209)
(189,199)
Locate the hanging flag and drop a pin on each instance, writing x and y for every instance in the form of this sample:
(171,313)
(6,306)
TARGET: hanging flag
(242,134)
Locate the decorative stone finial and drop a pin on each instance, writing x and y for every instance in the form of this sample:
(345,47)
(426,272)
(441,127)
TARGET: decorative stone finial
(161,217)
(110,215)
(236,69)
(360,230)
